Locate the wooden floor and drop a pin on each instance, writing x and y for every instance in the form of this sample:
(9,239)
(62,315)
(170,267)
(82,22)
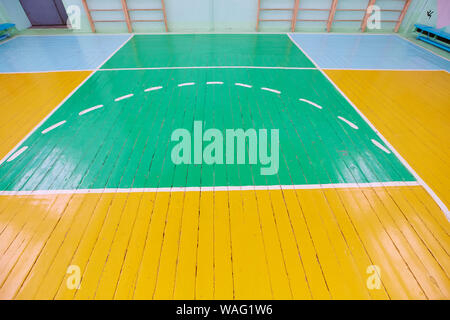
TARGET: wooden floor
(280,244)
(369,232)
(412,110)
(30,97)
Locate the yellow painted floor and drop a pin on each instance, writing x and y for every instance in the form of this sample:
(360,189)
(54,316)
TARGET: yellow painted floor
(412,111)
(26,98)
(279,244)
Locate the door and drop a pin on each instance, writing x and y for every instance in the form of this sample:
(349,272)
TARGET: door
(45,12)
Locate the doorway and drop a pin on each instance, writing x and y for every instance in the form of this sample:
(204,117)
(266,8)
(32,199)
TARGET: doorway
(45,13)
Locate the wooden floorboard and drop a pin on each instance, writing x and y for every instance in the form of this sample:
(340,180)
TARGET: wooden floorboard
(317,244)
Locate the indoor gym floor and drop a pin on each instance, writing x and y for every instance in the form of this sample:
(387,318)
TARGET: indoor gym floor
(87,180)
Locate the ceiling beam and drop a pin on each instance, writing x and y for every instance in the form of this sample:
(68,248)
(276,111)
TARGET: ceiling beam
(331,15)
(89,16)
(163,7)
(366,15)
(294,15)
(257,15)
(402,15)
(127,15)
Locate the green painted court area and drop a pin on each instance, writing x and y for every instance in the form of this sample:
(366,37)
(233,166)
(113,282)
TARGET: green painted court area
(127,143)
(194,50)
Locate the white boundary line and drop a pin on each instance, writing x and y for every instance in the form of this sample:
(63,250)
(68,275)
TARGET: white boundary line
(194,33)
(381,69)
(9,39)
(417,45)
(391,147)
(80,34)
(215,67)
(207,67)
(62,102)
(256,32)
(49,71)
(217,188)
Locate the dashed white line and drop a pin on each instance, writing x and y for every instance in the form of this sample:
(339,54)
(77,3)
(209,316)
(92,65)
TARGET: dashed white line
(242,85)
(153,89)
(124,97)
(379,145)
(17,153)
(186,84)
(90,109)
(311,103)
(214,82)
(271,90)
(351,124)
(56,125)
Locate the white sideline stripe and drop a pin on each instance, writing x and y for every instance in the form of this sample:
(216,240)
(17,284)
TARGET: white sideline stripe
(47,71)
(214,82)
(90,109)
(311,103)
(153,88)
(418,45)
(56,125)
(61,103)
(379,145)
(242,85)
(351,124)
(382,69)
(207,67)
(402,160)
(186,84)
(271,90)
(17,153)
(124,97)
(218,188)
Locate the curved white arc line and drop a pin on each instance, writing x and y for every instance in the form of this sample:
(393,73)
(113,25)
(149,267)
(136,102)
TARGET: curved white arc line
(56,125)
(17,153)
(311,103)
(242,85)
(90,109)
(379,145)
(214,82)
(271,90)
(153,89)
(124,97)
(351,124)
(186,84)
(430,191)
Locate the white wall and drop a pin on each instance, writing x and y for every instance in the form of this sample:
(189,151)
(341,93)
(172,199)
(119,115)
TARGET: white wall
(14,13)
(227,15)
(233,15)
